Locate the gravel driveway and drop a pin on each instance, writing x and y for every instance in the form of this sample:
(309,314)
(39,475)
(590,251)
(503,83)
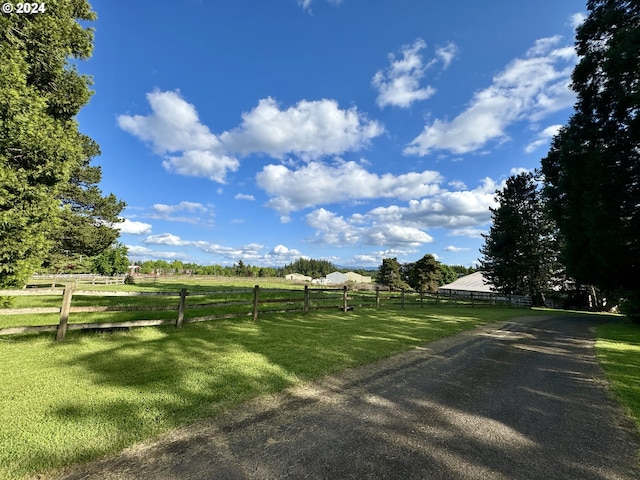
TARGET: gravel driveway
(523,399)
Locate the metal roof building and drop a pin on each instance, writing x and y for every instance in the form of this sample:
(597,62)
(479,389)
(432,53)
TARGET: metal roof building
(474,282)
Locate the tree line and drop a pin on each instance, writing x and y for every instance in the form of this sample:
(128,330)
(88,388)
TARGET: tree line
(424,275)
(575,224)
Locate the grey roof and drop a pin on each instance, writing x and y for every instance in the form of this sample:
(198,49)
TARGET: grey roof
(474,282)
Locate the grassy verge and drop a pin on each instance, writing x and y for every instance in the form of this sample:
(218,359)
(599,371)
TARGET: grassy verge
(618,350)
(62,403)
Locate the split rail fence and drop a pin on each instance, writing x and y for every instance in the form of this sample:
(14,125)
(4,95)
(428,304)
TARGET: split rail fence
(221,304)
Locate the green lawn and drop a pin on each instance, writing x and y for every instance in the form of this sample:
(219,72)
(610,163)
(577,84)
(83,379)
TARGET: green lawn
(618,350)
(62,403)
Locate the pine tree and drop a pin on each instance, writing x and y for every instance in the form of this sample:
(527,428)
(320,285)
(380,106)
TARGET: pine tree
(41,149)
(390,276)
(425,275)
(592,171)
(518,256)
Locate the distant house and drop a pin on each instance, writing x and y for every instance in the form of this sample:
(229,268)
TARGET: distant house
(320,281)
(298,277)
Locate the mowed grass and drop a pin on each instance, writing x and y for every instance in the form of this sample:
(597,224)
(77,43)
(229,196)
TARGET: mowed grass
(618,351)
(62,403)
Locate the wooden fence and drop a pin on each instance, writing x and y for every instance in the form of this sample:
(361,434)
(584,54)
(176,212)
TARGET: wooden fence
(254,300)
(77,278)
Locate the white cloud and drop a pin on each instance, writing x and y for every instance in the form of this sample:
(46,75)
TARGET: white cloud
(335,230)
(133,228)
(467,232)
(518,170)
(577,19)
(399,84)
(163,209)
(243,196)
(403,227)
(529,89)
(310,130)
(165,239)
(253,253)
(543,138)
(453,249)
(189,212)
(147,253)
(317,183)
(446,210)
(306,4)
(174,126)
(457,184)
(447,53)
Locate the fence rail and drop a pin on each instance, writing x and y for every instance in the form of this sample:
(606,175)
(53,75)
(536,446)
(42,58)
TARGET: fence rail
(275,300)
(78,279)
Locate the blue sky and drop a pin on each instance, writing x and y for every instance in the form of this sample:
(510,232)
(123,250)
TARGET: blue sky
(350,130)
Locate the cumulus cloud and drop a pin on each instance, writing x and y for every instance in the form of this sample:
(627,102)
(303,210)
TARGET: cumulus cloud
(447,54)
(403,227)
(253,253)
(446,210)
(243,196)
(161,208)
(467,232)
(333,229)
(185,211)
(577,19)
(309,130)
(133,228)
(317,183)
(529,89)
(543,138)
(174,127)
(399,84)
(147,253)
(453,249)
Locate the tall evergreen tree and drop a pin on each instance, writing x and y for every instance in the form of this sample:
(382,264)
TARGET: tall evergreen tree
(390,276)
(518,254)
(87,219)
(592,171)
(425,275)
(40,146)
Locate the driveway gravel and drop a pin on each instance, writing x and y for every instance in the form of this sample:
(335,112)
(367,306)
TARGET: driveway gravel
(524,399)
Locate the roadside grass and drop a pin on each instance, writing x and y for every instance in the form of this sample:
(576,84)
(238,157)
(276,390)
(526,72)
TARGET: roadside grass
(62,403)
(618,351)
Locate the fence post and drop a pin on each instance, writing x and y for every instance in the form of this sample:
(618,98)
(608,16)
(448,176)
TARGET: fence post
(181,307)
(344,298)
(306,299)
(64,312)
(377,296)
(255,302)
(471,299)
(421,295)
(402,299)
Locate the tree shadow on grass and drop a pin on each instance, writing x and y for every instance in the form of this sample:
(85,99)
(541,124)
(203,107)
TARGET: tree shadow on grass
(144,383)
